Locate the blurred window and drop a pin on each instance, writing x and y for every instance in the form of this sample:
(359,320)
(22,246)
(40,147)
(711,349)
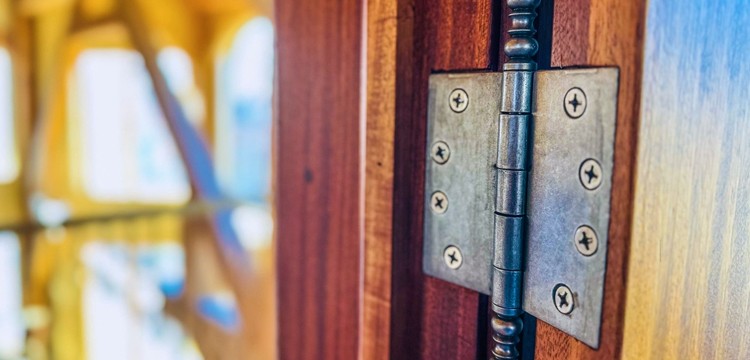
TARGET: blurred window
(177,67)
(243,112)
(12,331)
(128,285)
(128,152)
(8,156)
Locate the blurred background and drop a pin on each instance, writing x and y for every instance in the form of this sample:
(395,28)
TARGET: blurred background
(135,179)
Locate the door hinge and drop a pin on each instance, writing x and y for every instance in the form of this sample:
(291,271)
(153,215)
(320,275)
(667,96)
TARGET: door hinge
(517,190)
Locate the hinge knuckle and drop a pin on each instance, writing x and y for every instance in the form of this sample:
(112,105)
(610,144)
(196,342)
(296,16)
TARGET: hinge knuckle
(512,175)
(506,292)
(512,142)
(509,233)
(511,192)
(516,92)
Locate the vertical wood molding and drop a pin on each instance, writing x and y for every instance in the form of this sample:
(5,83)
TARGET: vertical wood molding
(318,173)
(604,33)
(379,124)
(431,319)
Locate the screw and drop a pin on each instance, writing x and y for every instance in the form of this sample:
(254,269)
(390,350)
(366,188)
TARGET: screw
(453,258)
(586,240)
(575,103)
(563,299)
(439,202)
(459,100)
(590,174)
(440,152)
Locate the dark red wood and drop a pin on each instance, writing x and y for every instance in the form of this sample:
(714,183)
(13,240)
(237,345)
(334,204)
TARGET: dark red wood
(317,133)
(431,319)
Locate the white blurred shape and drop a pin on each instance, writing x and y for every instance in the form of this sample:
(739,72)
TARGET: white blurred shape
(123,308)
(254,226)
(12,331)
(49,212)
(128,152)
(177,67)
(8,157)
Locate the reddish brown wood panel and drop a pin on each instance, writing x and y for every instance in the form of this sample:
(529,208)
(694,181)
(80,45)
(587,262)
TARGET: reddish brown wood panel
(431,319)
(318,214)
(604,33)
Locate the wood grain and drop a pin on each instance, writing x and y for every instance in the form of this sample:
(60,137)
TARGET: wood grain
(380,122)
(688,294)
(318,172)
(430,319)
(604,33)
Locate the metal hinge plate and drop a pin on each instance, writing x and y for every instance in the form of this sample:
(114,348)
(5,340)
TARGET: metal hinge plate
(568,190)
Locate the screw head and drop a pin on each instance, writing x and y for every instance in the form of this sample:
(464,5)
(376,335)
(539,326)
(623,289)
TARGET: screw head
(590,173)
(563,299)
(586,240)
(440,152)
(575,103)
(453,257)
(438,202)
(458,100)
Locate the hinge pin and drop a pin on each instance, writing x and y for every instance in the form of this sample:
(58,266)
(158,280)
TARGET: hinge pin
(512,172)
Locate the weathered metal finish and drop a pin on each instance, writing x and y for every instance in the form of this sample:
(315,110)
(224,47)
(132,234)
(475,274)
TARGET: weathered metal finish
(557,203)
(556,206)
(467,179)
(511,192)
(516,96)
(512,141)
(508,252)
(512,164)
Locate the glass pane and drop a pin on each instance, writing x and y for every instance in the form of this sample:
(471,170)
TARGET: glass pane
(8,157)
(178,70)
(135,326)
(121,258)
(128,153)
(12,330)
(243,136)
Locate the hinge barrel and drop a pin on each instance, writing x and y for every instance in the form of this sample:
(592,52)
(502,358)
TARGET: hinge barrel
(512,170)
(512,173)
(512,142)
(517,87)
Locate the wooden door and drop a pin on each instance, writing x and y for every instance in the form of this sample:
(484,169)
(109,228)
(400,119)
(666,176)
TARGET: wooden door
(352,103)
(351,95)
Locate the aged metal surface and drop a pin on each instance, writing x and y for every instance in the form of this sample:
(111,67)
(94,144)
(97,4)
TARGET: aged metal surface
(467,179)
(558,204)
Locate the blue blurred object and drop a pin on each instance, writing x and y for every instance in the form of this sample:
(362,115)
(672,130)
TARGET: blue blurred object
(221,309)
